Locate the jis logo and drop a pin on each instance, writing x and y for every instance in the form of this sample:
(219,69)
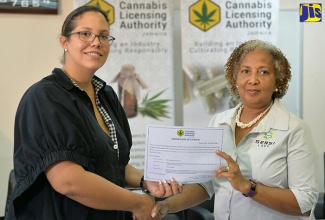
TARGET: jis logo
(310,12)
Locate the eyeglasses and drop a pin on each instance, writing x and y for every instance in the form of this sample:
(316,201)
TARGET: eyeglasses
(88,36)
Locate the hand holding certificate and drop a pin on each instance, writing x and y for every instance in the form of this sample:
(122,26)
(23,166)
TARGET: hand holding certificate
(186,154)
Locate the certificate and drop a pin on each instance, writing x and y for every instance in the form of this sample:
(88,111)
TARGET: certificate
(184,153)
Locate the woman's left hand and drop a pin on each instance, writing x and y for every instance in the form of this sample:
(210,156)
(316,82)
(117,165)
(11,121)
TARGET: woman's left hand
(163,188)
(233,174)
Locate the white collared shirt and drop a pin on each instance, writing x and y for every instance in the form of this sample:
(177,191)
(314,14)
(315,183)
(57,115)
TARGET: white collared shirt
(278,152)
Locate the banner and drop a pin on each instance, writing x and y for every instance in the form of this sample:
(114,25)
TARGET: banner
(211,30)
(140,64)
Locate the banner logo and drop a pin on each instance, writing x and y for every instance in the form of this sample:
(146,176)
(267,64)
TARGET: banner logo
(310,12)
(106,7)
(204,14)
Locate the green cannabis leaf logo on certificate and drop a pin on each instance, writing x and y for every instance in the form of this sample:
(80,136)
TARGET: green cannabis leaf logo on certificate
(153,107)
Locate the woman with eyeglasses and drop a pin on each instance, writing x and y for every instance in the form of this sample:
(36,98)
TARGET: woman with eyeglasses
(72,138)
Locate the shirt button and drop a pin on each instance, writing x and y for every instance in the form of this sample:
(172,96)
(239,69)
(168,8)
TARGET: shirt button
(115,146)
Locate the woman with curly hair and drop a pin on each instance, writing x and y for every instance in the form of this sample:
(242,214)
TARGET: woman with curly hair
(270,166)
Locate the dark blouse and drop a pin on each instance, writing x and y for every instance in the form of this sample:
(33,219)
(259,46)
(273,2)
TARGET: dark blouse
(55,121)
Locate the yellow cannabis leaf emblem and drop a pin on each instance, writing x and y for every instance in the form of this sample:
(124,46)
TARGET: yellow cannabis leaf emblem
(106,7)
(204,14)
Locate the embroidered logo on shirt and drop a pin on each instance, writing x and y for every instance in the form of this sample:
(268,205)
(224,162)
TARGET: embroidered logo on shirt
(265,143)
(268,135)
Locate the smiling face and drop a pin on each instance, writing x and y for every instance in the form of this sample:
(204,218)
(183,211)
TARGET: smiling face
(256,79)
(86,55)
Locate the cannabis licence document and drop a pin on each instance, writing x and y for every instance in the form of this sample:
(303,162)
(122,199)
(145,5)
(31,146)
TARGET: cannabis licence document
(184,153)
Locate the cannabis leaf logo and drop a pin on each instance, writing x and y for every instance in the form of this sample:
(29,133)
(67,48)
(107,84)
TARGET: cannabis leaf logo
(204,17)
(106,11)
(105,6)
(180,132)
(204,14)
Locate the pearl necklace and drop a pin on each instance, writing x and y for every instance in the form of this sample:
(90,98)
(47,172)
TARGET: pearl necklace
(243,125)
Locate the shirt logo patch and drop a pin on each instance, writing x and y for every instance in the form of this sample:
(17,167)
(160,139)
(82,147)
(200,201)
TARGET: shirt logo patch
(265,142)
(268,135)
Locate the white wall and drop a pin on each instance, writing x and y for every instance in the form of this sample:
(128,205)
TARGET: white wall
(313,77)
(30,50)
(313,87)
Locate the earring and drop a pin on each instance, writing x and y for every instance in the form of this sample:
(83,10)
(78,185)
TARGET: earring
(65,49)
(237,86)
(276,90)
